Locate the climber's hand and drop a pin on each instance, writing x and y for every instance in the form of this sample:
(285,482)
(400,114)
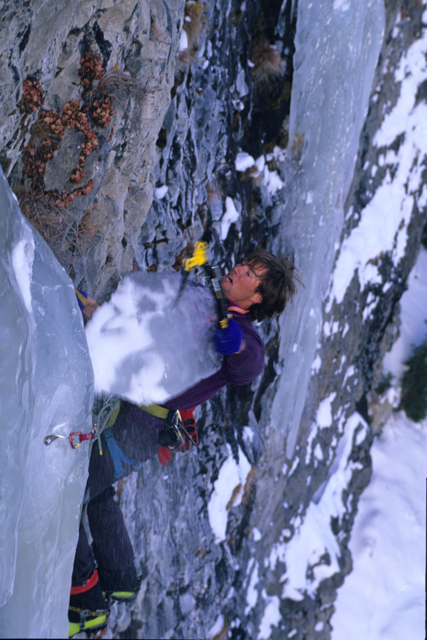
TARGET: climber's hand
(228,340)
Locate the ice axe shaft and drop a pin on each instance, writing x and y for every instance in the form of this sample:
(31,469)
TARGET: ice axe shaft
(200,259)
(214,273)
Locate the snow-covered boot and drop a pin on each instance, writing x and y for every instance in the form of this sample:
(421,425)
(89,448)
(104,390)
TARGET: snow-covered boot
(88,610)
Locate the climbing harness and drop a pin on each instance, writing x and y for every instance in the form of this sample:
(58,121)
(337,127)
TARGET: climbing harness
(104,413)
(172,434)
(117,454)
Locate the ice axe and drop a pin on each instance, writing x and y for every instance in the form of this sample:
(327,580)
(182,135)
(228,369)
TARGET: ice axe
(200,259)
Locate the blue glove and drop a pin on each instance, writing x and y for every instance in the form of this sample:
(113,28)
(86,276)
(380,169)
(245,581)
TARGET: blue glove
(228,340)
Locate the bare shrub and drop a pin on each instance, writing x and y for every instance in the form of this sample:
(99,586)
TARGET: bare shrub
(195,21)
(267,64)
(184,60)
(119,86)
(63,230)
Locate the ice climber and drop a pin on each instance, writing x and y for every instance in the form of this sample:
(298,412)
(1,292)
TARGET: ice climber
(258,288)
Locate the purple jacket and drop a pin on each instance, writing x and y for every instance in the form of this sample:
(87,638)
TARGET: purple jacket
(239,368)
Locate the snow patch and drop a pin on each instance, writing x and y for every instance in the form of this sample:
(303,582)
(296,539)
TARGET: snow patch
(216,628)
(317,363)
(272,181)
(384,596)
(252,593)
(413,315)
(244,161)
(312,554)
(160,192)
(324,412)
(231,475)
(231,215)
(183,41)
(256,534)
(271,617)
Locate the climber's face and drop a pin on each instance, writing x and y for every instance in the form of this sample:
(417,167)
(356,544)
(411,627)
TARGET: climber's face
(239,286)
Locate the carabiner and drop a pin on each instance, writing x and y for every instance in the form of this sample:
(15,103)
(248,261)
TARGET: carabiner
(80,437)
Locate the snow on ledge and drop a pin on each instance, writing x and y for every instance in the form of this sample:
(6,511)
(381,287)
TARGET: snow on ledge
(231,475)
(305,554)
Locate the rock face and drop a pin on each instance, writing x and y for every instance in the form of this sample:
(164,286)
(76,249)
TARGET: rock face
(164,172)
(47,41)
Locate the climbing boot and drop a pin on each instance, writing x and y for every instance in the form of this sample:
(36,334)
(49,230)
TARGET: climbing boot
(120,586)
(88,610)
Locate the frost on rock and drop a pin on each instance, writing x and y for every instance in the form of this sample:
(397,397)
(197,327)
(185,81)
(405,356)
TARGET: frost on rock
(46,387)
(147,347)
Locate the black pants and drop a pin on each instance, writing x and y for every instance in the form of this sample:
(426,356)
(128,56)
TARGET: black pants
(112,547)
(135,434)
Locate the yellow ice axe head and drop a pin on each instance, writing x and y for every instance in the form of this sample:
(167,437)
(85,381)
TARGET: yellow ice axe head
(200,256)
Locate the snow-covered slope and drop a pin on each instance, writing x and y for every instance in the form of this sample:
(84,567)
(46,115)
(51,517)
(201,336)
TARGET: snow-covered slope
(384,596)
(46,387)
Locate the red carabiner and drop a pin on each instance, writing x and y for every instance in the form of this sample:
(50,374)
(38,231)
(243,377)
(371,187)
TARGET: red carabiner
(81,438)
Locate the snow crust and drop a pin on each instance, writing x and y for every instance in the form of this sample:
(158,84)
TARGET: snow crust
(46,387)
(384,596)
(141,340)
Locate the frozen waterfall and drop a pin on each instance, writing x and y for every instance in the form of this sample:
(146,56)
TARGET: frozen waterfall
(46,387)
(336,52)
